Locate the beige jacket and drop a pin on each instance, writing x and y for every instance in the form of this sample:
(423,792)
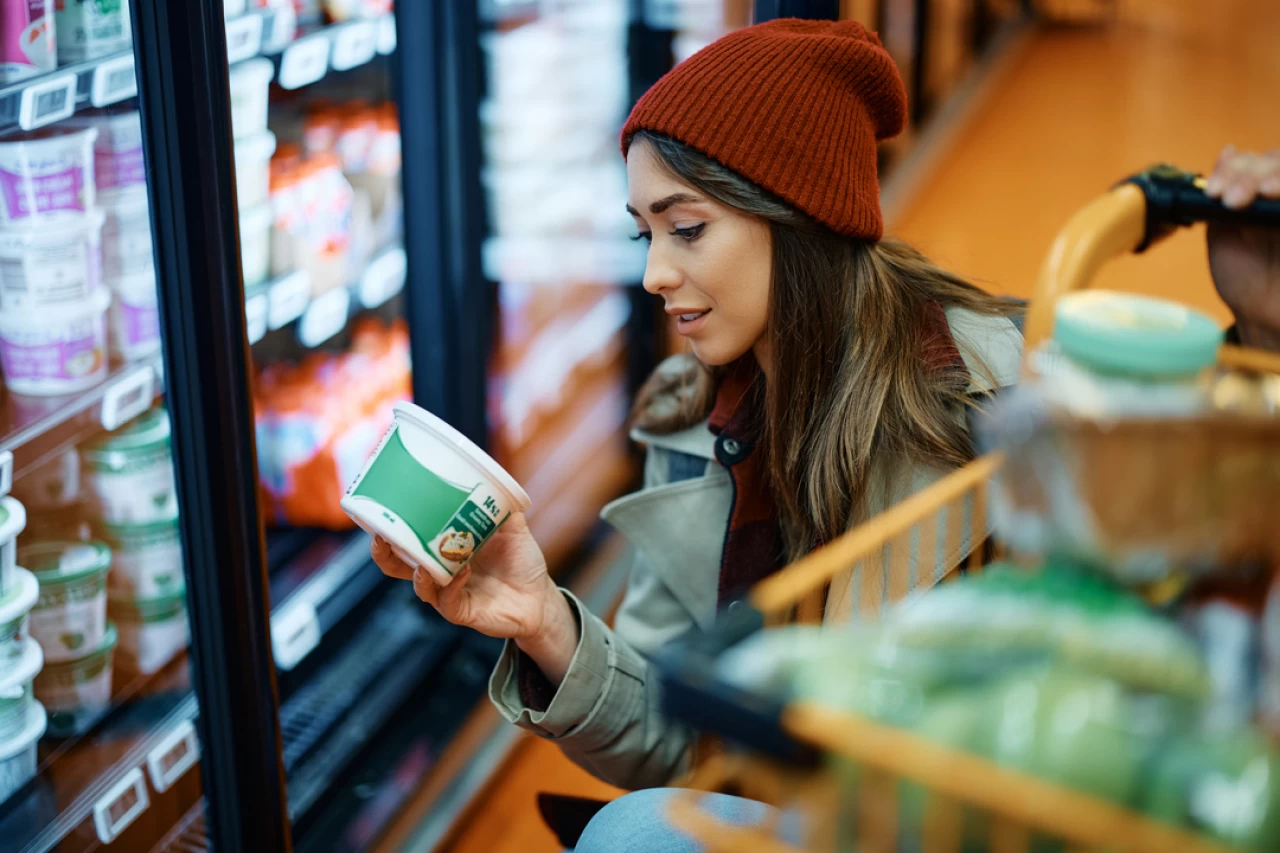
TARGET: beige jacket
(606,714)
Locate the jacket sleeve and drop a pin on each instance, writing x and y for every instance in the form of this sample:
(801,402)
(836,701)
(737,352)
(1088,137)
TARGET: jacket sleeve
(605,715)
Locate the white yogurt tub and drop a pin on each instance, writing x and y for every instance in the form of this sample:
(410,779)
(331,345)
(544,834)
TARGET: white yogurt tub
(15,610)
(134,316)
(49,172)
(16,697)
(60,351)
(126,233)
(50,266)
(253,169)
(153,631)
(78,692)
(18,754)
(146,560)
(432,494)
(255,245)
(70,616)
(117,152)
(13,520)
(51,485)
(128,474)
(250,89)
(88,29)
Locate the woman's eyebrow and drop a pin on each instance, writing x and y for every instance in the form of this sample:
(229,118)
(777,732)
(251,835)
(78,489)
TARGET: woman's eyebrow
(663,203)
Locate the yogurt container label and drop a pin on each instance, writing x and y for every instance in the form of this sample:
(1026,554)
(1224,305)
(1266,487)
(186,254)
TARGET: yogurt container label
(137,489)
(92,28)
(50,191)
(413,494)
(27,45)
(47,271)
(69,619)
(49,172)
(115,170)
(140,323)
(81,354)
(146,561)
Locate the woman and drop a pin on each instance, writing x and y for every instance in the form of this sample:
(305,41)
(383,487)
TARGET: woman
(830,374)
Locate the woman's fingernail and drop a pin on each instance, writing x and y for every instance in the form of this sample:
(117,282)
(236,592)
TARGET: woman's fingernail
(1270,186)
(1213,186)
(1236,196)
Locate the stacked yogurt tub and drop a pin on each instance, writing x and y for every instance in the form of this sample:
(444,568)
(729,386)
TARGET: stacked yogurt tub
(250,94)
(22,718)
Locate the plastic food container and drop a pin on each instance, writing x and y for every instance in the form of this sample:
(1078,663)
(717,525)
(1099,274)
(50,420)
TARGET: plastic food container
(15,689)
(13,520)
(128,474)
(49,172)
(432,494)
(152,631)
(78,692)
(71,614)
(117,153)
(61,352)
(44,266)
(255,245)
(27,44)
(250,87)
(88,29)
(15,608)
(147,560)
(126,233)
(18,754)
(135,316)
(52,485)
(253,169)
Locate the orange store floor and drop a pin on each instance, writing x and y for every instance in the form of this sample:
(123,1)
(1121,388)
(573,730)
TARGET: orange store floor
(1073,111)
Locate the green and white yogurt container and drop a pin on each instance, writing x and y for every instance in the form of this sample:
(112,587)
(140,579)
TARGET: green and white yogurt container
(13,520)
(15,607)
(146,560)
(70,617)
(78,692)
(152,631)
(18,753)
(15,689)
(432,494)
(128,474)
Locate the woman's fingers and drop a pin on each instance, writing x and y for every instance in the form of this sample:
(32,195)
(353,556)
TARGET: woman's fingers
(426,589)
(1240,177)
(391,565)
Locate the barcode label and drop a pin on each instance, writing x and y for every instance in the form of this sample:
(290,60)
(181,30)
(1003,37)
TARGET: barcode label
(13,276)
(120,806)
(354,45)
(304,62)
(113,81)
(324,317)
(244,38)
(387,35)
(47,101)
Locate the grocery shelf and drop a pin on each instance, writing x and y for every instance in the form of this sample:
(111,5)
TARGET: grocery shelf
(104,779)
(47,98)
(312,54)
(34,429)
(288,299)
(189,835)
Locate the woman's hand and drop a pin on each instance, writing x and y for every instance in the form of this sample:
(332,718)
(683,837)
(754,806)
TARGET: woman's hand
(503,592)
(1245,261)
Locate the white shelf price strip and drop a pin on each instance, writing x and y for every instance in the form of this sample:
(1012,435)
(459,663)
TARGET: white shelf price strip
(324,317)
(48,101)
(6,472)
(295,633)
(120,806)
(305,61)
(387,35)
(384,278)
(288,298)
(128,397)
(173,756)
(244,38)
(113,81)
(255,317)
(355,45)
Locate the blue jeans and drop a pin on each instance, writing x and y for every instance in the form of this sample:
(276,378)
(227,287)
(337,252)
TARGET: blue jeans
(637,823)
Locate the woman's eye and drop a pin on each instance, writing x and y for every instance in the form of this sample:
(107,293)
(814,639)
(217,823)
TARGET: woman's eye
(646,236)
(691,233)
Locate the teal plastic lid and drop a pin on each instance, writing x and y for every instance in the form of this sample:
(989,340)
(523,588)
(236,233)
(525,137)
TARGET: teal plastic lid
(64,562)
(1135,335)
(151,427)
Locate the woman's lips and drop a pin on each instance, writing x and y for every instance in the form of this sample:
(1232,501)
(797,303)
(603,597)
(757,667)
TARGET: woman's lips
(688,324)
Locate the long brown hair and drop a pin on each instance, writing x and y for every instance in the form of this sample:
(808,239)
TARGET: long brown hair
(852,395)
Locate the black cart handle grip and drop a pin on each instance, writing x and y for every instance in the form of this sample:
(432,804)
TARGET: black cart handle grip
(1176,198)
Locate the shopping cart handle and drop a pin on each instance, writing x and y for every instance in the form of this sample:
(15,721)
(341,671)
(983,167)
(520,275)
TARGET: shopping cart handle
(1176,198)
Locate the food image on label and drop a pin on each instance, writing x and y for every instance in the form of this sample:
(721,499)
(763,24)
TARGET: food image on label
(456,546)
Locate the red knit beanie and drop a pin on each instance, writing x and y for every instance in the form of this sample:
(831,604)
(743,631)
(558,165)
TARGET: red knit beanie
(794,106)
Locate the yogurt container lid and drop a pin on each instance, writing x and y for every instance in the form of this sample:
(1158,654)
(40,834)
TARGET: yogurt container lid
(18,601)
(151,427)
(260,146)
(25,668)
(37,719)
(56,316)
(65,562)
(422,418)
(106,647)
(13,518)
(132,529)
(1135,335)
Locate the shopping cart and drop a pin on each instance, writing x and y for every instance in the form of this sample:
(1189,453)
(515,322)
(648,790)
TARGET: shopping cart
(786,745)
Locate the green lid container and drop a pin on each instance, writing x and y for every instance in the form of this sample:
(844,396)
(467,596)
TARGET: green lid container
(55,563)
(145,435)
(1138,336)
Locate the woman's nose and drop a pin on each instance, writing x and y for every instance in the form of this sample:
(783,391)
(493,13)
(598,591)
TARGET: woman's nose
(658,274)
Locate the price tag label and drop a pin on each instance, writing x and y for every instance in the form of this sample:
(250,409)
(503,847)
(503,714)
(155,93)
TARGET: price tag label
(113,81)
(354,45)
(120,806)
(6,471)
(305,61)
(255,317)
(387,35)
(324,317)
(244,38)
(48,101)
(383,279)
(176,753)
(128,397)
(288,299)
(281,29)
(295,633)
